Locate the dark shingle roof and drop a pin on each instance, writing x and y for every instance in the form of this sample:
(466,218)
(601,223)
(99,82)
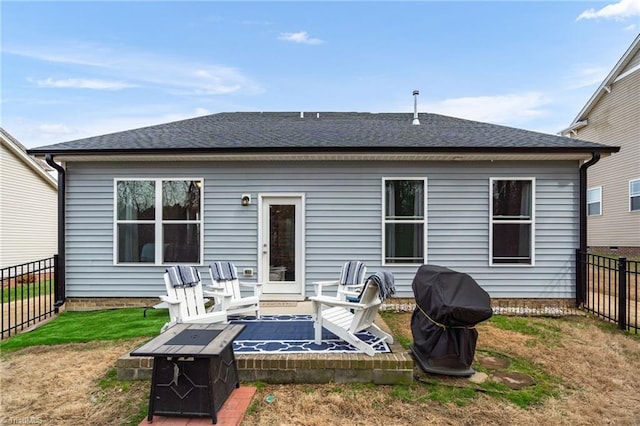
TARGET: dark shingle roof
(287,131)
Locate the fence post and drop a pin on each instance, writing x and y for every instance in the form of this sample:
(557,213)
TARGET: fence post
(580,280)
(2,305)
(56,281)
(622,293)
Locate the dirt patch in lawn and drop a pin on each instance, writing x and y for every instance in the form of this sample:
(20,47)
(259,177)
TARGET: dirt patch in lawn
(60,385)
(595,373)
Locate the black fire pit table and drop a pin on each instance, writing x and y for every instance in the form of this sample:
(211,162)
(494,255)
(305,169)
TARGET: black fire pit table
(194,369)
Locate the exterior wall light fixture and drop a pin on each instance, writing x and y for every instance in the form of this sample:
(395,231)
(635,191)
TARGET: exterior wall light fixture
(246,199)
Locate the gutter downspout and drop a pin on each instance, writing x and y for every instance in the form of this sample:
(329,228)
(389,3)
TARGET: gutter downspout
(581,270)
(60,285)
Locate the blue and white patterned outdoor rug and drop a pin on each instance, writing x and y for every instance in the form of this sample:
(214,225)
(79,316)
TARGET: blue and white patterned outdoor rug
(292,334)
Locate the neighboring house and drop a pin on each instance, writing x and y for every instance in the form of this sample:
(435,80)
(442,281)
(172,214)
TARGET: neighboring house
(289,197)
(28,206)
(612,116)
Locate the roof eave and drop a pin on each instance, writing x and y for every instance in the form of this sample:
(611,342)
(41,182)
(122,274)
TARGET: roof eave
(399,153)
(572,129)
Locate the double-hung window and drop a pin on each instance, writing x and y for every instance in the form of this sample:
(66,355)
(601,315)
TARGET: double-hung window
(512,221)
(404,220)
(158,221)
(594,201)
(634,195)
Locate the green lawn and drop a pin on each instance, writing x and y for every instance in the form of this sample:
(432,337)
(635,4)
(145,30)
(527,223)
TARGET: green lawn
(79,327)
(26,291)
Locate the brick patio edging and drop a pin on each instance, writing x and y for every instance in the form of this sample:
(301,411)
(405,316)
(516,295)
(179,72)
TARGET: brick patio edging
(545,307)
(381,369)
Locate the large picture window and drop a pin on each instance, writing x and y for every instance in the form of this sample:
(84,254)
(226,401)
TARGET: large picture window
(404,220)
(158,221)
(594,201)
(512,221)
(634,195)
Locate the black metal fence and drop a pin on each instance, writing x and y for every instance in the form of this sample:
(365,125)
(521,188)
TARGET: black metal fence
(28,295)
(608,288)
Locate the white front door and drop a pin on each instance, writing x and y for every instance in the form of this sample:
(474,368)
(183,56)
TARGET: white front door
(281,246)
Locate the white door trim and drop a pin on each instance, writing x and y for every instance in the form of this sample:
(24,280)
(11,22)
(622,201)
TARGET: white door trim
(263,267)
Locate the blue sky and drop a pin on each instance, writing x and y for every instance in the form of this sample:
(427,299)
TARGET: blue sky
(75,69)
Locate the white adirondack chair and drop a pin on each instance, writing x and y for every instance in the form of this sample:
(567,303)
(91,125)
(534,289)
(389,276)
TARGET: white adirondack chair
(226,290)
(186,300)
(349,284)
(345,319)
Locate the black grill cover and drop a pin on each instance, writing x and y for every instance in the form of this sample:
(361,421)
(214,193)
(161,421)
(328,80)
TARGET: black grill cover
(453,300)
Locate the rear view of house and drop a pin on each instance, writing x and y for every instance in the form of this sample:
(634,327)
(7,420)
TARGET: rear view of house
(612,116)
(289,197)
(28,206)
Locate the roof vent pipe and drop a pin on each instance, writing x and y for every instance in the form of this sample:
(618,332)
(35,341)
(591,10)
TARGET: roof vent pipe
(415,121)
(301,114)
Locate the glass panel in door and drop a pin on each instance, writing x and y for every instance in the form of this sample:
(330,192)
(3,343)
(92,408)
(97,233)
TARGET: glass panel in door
(282,242)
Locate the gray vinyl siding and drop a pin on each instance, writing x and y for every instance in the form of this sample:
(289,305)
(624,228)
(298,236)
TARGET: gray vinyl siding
(343,221)
(615,120)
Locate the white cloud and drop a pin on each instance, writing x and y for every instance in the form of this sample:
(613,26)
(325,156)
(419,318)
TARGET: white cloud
(631,27)
(37,134)
(49,131)
(504,109)
(622,9)
(83,83)
(191,78)
(584,75)
(72,53)
(173,74)
(299,37)
(202,111)
(218,80)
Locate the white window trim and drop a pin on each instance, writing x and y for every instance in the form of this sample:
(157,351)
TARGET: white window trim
(633,195)
(599,188)
(158,222)
(383,221)
(531,221)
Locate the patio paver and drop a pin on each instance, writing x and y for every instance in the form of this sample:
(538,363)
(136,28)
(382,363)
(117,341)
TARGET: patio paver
(231,413)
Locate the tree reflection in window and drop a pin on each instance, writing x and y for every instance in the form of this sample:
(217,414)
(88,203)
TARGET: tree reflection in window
(138,227)
(136,200)
(180,200)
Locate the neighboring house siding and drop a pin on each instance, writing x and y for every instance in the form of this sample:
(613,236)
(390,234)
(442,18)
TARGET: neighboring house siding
(28,212)
(635,62)
(343,221)
(615,120)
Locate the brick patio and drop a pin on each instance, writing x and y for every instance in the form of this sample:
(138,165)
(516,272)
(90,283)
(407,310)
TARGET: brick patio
(382,368)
